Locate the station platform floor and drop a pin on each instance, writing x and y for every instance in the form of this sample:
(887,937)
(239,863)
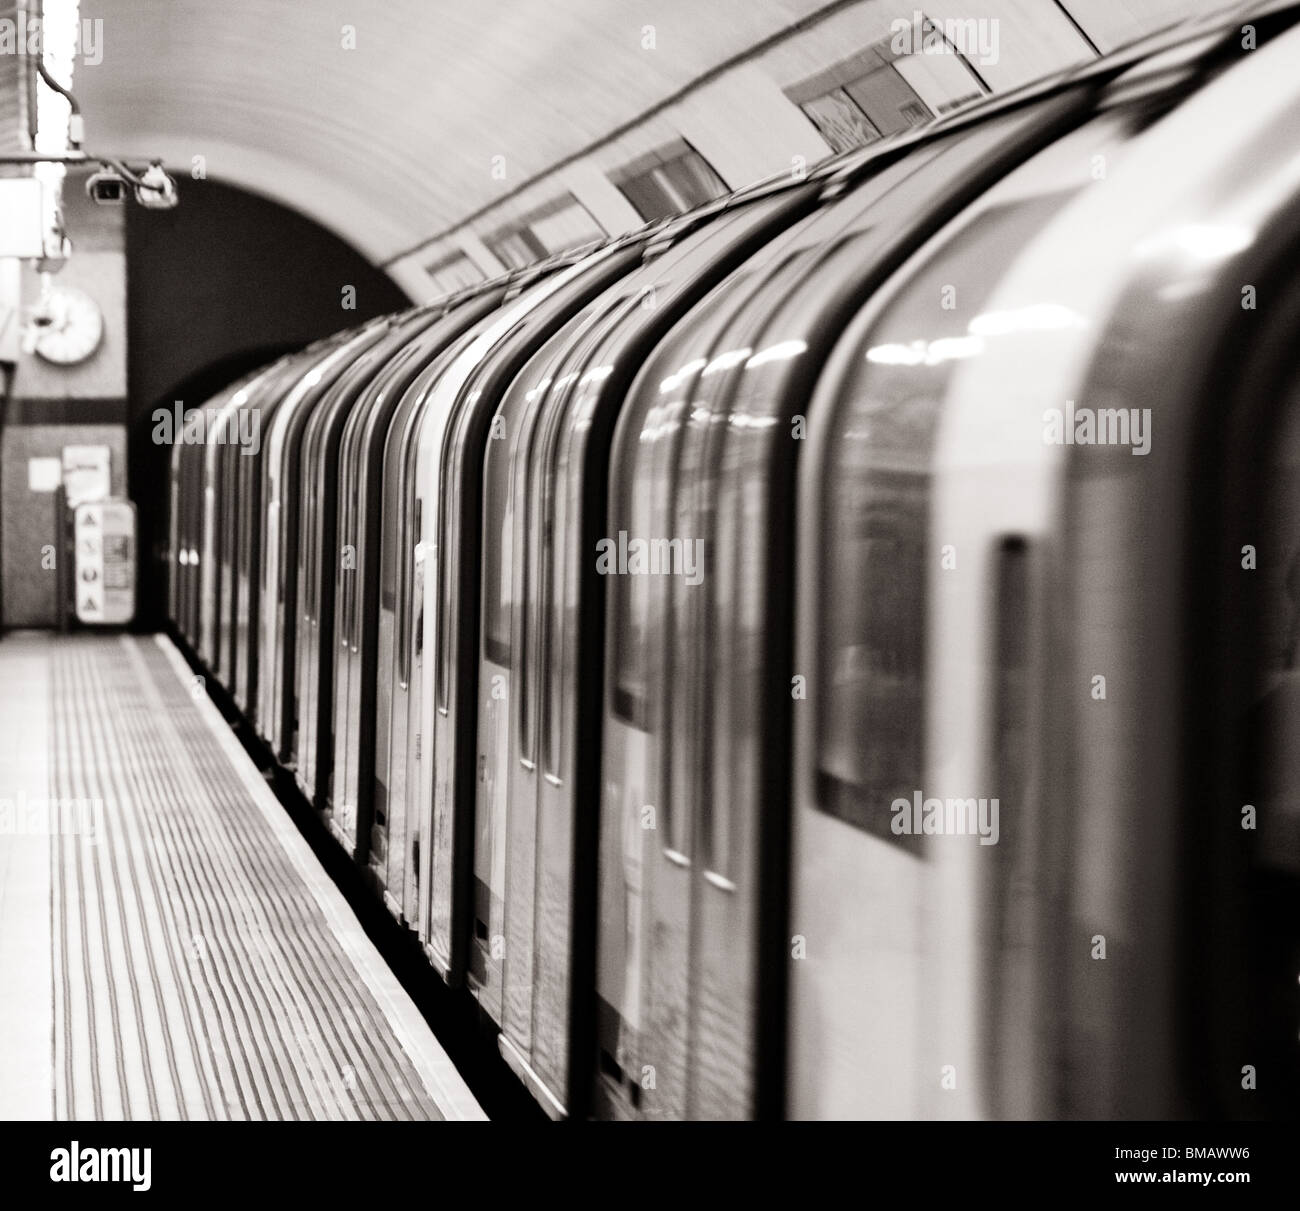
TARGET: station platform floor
(170,947)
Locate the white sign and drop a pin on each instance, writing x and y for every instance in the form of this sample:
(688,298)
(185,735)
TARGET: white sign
(104,534)
(44,474)
(22,217)
(86,473)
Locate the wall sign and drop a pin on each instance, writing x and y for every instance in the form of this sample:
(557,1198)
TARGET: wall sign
(86,473)
(44,474)
(104,536)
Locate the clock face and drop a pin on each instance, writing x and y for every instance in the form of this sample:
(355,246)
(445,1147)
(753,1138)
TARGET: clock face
(75,329)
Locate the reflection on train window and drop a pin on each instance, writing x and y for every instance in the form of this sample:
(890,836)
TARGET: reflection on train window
(669,181)
(872,664)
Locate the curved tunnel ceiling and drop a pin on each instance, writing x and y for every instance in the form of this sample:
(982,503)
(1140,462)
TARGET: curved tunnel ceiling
(390,143)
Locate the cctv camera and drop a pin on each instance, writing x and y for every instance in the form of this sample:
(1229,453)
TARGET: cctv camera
(156,190)
(107,188)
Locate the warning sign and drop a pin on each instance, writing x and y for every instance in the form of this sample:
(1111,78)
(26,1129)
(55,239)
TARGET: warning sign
(104,538)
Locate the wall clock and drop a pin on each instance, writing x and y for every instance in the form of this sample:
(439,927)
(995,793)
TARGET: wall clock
(73,327)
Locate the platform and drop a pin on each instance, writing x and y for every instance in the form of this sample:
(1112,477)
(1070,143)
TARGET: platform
(169,945)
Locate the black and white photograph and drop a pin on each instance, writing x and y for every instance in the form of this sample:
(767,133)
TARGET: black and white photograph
(649,561)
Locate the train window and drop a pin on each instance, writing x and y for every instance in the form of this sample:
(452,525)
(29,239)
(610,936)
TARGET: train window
(553,615)
(411,590)
(307,547)
(497,548)
(669,181)
(871,667)
(418,558)
(407,527)
(632,615)
(390,524)
(530,483)
(737,657)
(447,523)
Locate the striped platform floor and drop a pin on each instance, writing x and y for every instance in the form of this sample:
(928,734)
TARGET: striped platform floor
(169,946)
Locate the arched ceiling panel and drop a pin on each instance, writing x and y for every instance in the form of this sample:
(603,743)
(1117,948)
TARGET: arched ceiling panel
(393,141)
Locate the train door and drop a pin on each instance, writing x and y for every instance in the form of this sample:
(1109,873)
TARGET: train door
(1241,890)
(397,849)
(356,720)
(449,829)
(279,533)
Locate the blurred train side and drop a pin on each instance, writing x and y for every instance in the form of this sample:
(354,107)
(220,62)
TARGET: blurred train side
(650,820)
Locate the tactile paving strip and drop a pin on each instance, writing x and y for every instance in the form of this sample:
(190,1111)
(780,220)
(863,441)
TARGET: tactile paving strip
(195,974)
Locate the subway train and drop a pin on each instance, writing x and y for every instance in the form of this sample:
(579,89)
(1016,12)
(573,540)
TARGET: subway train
(826,654)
